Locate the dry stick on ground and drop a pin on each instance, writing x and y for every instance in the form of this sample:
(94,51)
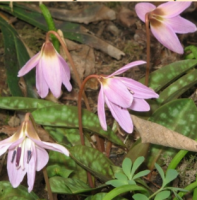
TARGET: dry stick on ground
(147,49)
(99,141)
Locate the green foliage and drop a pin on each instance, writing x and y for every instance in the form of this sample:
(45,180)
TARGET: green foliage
(193,52)
(129,170)
(8,192)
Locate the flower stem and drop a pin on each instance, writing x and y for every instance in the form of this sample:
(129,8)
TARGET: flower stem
(47,183)
(147,49)
(51,26)
(71,62)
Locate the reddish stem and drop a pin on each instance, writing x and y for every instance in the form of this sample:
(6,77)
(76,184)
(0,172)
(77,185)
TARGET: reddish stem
(147,49)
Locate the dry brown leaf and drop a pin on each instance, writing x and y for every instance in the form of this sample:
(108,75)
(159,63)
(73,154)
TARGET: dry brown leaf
(126,17)
(93,13)
(154,133)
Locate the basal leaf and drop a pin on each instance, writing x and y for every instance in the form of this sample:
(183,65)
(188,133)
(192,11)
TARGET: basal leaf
(15,57)
(160,170)
(178,115)
(7,192)
(162,195)
(171,174)
(136,164)
(165,75)
(140,197)
(141,174)
(126,167)
(67,116)
(94,161)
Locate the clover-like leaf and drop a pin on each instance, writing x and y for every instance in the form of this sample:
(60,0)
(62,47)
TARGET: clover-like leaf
(140,197)
(171,174)
(160,170)
(162,195)
(136,164)
(140,174)
(126,167)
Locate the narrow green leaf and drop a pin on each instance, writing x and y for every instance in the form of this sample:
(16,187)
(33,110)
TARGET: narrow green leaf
(165,75)
(140,197)
(119,190)
(178,87)
(23,103)
(162,195)
(15,57)
(117,183)
(160,170)
(126,167)
(171,174)
(136,164)
(67,116)
(7,192)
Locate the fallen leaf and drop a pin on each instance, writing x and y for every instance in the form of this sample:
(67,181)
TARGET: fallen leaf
(93,13)
(154,133)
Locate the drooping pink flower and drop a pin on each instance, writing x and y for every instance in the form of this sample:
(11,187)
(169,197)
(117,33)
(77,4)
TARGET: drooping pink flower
(165,22)
(51,71)
(120,94)
(26,153)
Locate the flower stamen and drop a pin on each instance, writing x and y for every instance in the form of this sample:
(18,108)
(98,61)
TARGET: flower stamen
(13,156)
(18,156)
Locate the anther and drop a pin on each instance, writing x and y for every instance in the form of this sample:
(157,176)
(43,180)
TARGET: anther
(13,156)
(18,156)
(29,154)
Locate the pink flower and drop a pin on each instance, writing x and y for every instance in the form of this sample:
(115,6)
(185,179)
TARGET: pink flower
(121,93)
(26,153)
(51,71)
(165,22)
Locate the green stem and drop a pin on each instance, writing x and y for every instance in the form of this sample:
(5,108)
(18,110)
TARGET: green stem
(189,188)
(51,26)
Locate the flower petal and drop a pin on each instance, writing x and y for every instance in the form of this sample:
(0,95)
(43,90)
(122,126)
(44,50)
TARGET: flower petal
(31,166)
(52,146)
(65,79)
(126,67)
(29,65)
(5,144)
(65,65)
(15,174)
(186,25)
(172,9)
(139,90)
(143,8)
(52,73)
(166,36)
(117,92)
(41,85)
(42,158)
(140,105)
(121,115)
(101,109)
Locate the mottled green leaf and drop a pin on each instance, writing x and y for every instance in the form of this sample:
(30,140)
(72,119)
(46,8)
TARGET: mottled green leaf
(177,88)
(165,75)
(94,161)
(57,170)
(178,115)
(69,185)
(67,116)
(66,163)
(7,192)
(23,103)
(15,57)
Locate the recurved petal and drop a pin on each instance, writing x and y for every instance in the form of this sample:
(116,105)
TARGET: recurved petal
(4,145)
(65,78)
(126,67)
(31,166)
(52,146)
(41,85)
(117,92)
(172,9)
(143,8)
(185,27)
(166,36)
(139,90)
(65,65)
(101,109)
(29,65)
(42,158)
(15,175)
(140,105)
(52,73)
(121,115)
